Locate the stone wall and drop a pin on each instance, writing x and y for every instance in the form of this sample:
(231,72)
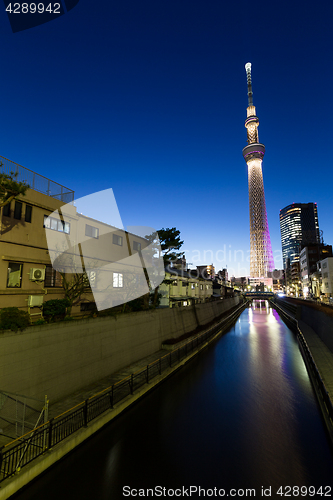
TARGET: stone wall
(60,358)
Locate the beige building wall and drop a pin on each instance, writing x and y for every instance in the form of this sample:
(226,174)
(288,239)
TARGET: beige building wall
(23,246)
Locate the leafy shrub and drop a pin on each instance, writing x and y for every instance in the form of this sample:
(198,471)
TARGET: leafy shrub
(55,309)
(12,318)
(40,322)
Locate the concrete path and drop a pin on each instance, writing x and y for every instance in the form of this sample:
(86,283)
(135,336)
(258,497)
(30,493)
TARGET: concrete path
(321,354)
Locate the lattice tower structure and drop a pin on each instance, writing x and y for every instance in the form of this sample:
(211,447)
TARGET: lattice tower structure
(261,255)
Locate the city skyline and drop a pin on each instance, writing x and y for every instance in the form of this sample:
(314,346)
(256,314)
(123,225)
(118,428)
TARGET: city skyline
(149,100)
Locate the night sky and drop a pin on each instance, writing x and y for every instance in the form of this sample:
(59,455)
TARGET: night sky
(149,98)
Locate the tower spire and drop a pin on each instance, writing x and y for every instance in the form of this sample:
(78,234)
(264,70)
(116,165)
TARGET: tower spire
(249,84)
(261,258)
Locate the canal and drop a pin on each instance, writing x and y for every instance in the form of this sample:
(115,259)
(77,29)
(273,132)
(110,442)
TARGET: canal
(242,415)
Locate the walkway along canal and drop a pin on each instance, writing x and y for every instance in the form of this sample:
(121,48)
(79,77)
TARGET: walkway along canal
(242,415)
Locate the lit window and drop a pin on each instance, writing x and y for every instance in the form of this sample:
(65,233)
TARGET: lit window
(117,280)
(92,231)
(14,275)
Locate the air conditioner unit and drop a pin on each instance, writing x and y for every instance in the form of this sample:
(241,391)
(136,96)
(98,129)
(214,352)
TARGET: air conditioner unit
(37,274)
(35,300)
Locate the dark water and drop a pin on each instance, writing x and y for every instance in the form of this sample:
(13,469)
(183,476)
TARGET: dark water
(241,415)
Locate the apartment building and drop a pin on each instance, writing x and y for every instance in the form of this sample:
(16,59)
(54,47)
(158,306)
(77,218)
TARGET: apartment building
(42,234)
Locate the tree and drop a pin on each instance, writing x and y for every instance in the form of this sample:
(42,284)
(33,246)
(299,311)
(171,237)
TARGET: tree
(74,286)
(10,188)
(170,244)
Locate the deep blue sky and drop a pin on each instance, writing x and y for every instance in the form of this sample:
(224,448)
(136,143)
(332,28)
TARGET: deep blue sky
(149,98)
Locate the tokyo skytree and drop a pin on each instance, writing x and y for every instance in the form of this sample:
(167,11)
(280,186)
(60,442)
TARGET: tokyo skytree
(261,256)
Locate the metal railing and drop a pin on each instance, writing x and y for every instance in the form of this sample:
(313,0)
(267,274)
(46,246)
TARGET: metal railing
(36,181)
(18,453)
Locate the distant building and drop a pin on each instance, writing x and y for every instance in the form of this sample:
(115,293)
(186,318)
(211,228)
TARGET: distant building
(207,272)
(222,276)
(278,277)
(327,277)
(294,287)
(260,284)
(299,227)
(309,257)
(184,288)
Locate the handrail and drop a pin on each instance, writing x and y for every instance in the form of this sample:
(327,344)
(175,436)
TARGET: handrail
(58,429)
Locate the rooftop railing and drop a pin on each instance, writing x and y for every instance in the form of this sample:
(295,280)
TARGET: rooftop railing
(36,181)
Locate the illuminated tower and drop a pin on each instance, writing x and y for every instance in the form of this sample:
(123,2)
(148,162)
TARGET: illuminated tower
(261,261)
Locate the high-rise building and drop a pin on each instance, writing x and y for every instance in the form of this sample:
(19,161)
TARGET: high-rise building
(261,256)
(299,228)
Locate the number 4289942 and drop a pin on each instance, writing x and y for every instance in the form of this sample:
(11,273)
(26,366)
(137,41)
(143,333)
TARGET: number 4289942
(33,8)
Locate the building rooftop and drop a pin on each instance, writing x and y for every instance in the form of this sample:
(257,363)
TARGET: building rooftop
(36,181)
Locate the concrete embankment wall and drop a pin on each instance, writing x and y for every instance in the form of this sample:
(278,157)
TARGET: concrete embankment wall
(321,323)
(58,359)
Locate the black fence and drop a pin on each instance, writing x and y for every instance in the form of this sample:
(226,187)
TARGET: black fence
(23,450)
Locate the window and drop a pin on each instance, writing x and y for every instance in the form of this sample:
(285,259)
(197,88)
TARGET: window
(28,212)
(88,306)
(92,231)
(91,277)
(18,210)
(201,287)
(52,278)
(136,246)
(6,210)
(175,283)
(184,283)
(117,280)
(14,275)
(193,286)
(117,240)
(56,225)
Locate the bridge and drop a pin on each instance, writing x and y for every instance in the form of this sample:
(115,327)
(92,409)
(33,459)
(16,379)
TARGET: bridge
(259,295)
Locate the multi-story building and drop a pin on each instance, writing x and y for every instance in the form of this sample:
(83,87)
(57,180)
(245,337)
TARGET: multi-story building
(184,288)
(222,276)
(326,266)
(207,272)
(299,227)
(278,277)
(29,272)
(308,258)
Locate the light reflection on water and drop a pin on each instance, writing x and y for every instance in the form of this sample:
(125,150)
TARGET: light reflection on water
(240,415)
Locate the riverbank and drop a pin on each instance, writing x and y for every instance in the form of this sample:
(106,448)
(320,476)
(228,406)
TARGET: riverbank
(39,465)
(317,357)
